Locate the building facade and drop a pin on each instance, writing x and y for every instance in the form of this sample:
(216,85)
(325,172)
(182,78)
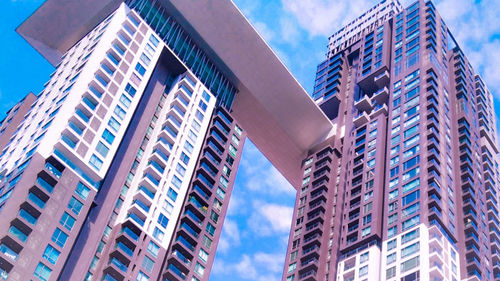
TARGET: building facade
(408,188)
(123,166)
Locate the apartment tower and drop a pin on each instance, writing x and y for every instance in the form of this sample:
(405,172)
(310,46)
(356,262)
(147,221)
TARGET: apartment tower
(407,189)
(123,166)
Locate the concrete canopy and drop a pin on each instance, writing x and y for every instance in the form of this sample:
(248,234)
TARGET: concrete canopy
(274,109)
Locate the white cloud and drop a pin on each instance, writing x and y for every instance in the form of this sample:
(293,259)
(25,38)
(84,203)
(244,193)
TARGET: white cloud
(289,30)
(323,17)
(270,219)
(246,268)
(272,262)
(260,175)
(230,236)
(259,267)
(264,31)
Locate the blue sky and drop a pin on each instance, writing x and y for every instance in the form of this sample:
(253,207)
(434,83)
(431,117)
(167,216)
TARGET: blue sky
(255,234)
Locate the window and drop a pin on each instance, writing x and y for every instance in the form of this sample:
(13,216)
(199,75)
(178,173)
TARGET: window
(366,231)
(199,115)
(75,205)
(42,272)
(210,229)
(199,269)
(59,237)
(391,232)
(221,193)
(154,40)
(392,219)
(120,112)
(51,254)
(130,90)
(153,249)
(114,124)
(184,158)
(364,257)
(392,244)
(411,222)
(180,169)
(203,255)
(363,271)
(391,258)
(142,277)
(188,146)
(390,272)
(367,219)
(413,248)
(207,242)
(172,194)
(410,264)
(95,162)
(214,216)
(67,221)
(140,69)
(163,220)
(167,207)
(224,182)
(292,267)
(126,102)
(82,191)
(108,136)
(232,150)
(411,197)
(102,149)
(148,263)
(158,234)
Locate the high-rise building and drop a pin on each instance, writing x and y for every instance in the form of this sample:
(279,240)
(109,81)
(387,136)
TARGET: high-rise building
(408,187)
(122,167)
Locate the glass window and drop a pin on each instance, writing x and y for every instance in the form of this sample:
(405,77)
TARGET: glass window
(75,206)
(172,194)
(82,191)
(102,149)
(51,254)
(158,234)
(108,136)
(59,237)
(67,221)
(120,112)
(142,277)
(203,255)
(42,272)
(148,263)
(114,124)
(163,220)
(153,249)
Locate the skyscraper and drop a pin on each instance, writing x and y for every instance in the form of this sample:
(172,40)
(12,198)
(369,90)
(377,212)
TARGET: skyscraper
(122,167)
(408,187)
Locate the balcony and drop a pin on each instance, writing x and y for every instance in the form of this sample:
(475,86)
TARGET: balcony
(136,219)
(380,96)
(121,266)
(361,119)
(182,240)
(175,272)
(129,233)
(363,104)
(379,109)
(124,248)
(147,192)
(179,260)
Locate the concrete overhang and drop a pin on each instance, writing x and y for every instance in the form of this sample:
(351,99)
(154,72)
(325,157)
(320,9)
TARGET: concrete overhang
(276,112)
